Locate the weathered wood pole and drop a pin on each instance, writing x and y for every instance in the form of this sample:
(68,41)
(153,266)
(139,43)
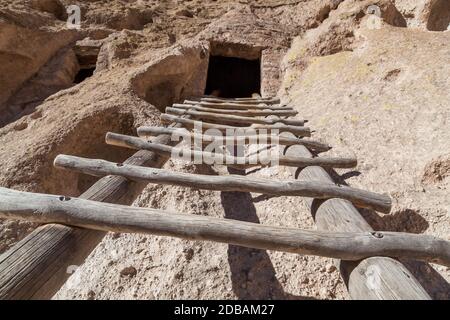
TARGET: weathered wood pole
(312,189)
(237,112)
(233,105)
(237,139)
(42,208)
(231,118)
(186,154)
(243,101)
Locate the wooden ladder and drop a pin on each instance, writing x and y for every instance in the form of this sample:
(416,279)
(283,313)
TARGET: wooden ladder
(35,267)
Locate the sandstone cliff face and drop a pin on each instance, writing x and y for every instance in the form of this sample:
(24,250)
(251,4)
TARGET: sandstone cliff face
(377,87)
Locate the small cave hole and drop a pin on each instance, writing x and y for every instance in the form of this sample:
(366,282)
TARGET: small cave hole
(87,57)
(83,74)
(63,69)
(233,77)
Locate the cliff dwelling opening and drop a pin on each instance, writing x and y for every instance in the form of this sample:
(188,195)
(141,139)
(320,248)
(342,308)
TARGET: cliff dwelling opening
(83,74)
(439,19)
(87,59)
(233,77)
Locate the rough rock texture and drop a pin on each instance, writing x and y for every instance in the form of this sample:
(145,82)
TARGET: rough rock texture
(57,74)
(54,7)
(23,53)
(375,87)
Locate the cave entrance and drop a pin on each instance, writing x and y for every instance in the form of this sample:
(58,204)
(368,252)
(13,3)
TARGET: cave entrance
(87,56)
(83,74)
(233,77)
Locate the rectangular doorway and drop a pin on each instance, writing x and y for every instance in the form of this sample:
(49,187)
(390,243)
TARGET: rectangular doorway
(233,77)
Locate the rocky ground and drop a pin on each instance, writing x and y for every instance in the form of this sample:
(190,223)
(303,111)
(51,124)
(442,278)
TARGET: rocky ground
(376,88)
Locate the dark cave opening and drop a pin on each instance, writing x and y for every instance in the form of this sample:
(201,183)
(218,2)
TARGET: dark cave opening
(83,74)
(233,77)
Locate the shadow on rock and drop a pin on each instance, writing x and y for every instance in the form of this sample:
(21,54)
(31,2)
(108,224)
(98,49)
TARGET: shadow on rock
(405,220)
(252,273)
